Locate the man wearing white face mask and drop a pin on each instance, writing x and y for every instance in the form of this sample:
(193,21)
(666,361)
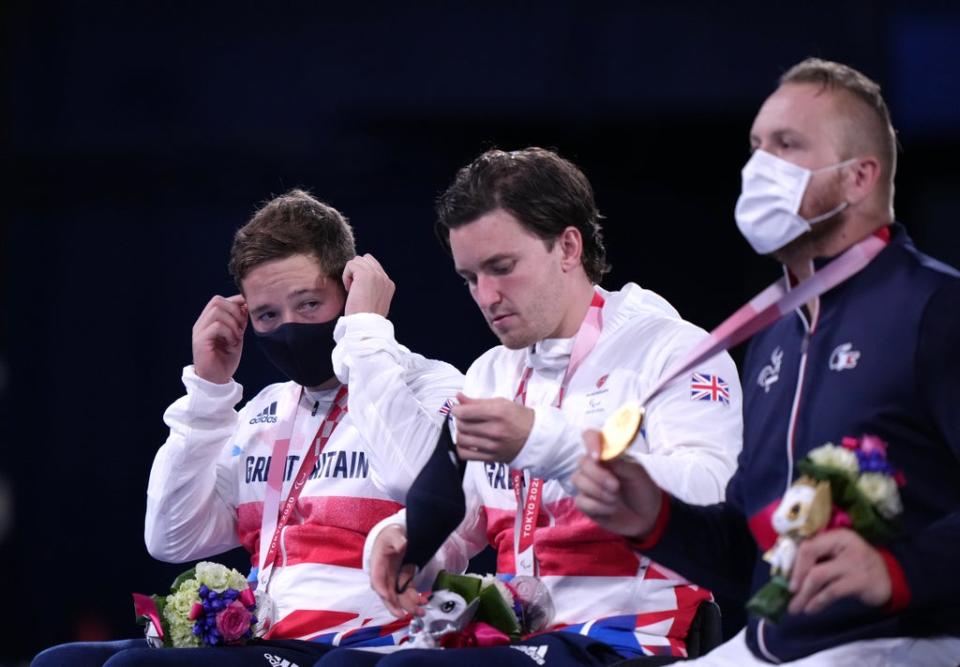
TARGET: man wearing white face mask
(873,355)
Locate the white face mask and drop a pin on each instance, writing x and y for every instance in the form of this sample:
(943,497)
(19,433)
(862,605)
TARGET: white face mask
(770,198)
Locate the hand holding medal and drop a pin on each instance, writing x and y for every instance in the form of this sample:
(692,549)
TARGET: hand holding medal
(620,430)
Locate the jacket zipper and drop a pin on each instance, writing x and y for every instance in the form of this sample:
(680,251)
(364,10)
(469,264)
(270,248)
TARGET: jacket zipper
(809,328)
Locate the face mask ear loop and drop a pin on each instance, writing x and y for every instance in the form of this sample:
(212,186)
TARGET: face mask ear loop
(839,165)
(842,205)
(829,214)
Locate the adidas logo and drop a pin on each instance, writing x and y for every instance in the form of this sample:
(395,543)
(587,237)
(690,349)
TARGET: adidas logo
(276,660)
(536,653)
(267,415)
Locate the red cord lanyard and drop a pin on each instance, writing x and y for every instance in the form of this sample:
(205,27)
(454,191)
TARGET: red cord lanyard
(273,521)
(528,509)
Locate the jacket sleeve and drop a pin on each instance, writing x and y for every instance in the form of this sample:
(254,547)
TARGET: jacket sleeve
(709,544)
(191,509)
(395,398)
(454,555)
(929,558)
(553,448)
(692,445)
(689,447)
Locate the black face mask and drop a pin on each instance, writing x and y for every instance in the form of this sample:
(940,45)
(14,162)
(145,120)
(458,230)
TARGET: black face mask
(301,351)
(435,504)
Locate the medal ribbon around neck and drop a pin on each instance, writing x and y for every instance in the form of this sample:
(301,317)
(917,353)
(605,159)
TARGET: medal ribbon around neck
(528,505)
(274,518)
(756,315)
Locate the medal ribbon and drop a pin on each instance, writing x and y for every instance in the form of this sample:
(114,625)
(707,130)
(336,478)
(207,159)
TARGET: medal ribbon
(769,306)
(273,522)
(528,509)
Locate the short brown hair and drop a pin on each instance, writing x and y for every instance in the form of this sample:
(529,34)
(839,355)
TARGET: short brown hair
(291,224)
(542,190)
(834,76)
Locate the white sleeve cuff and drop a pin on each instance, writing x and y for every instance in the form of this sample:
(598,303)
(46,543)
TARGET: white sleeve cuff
(357,336)
(199,387)
(552,448)
(365,325)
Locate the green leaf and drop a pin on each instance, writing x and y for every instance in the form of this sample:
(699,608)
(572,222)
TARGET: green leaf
(495,611)
(161,602)
(463,585)
(770,602)
(189,574)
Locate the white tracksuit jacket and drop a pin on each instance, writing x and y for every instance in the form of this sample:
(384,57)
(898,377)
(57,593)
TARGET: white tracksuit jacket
(602,587)
(207,484)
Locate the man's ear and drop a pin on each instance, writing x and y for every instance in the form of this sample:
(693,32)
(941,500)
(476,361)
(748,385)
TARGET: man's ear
(861,179)
(571,248)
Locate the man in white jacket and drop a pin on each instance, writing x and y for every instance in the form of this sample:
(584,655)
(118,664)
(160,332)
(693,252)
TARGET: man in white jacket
(524,233)
(354,424)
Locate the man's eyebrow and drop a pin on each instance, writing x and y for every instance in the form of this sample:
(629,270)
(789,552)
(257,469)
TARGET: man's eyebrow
(301,292)
(485,264)
(290,297)
(261,309)
(493,260)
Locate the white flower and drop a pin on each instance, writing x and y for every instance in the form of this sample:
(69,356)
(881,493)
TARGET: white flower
(177,612)
(214,575)
(838,458)
(236,580)
(882,493)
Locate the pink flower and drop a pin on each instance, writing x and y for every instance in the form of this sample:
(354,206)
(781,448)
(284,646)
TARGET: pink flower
(234,621)
(850,443)
(839,519)
(195,611)
(247,597)
(871,443)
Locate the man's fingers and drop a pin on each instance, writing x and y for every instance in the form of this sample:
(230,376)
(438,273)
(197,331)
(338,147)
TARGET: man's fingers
(463,398)
(486,430)
(593,442)
(602,474)
(477,410)
(815,585)
(388,552)
(218,307)
(593,486)
(595,509)
(227,319)
(470,449)
(221,331)
(347,276)
(810,552)
(841,587)
(373,263)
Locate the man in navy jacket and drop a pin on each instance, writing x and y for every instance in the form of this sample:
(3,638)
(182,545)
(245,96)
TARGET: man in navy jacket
(875,355)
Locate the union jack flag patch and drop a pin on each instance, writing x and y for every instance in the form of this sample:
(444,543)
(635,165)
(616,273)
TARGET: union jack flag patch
(704,387)
(445,408)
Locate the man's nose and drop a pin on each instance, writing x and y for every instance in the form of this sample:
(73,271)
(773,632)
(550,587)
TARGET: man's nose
(290,315)
(487,291)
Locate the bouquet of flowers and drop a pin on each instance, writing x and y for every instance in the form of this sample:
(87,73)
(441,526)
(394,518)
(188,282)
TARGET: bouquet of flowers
(847,486)
(473,610)
(208,605)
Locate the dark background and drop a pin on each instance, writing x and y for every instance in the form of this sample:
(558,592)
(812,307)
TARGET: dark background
(140,136)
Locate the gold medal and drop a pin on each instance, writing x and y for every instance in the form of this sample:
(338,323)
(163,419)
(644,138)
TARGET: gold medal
(619,430)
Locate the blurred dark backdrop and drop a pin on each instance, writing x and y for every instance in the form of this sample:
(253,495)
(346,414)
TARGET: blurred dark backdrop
(139,136)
